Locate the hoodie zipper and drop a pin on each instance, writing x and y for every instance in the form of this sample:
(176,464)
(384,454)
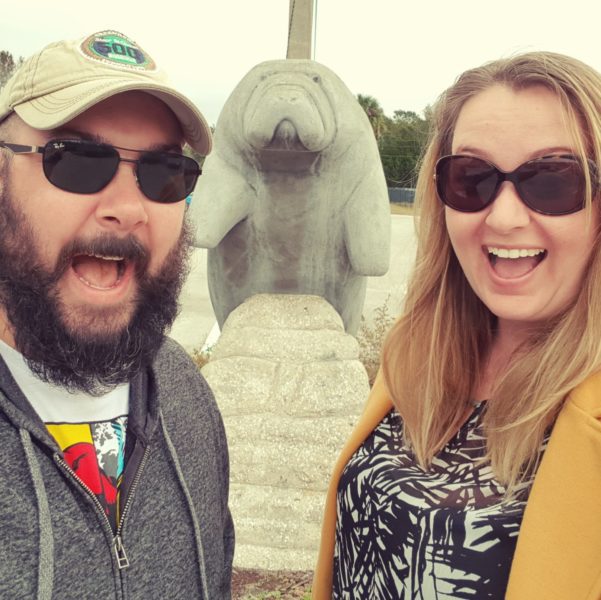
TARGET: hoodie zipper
(118,547)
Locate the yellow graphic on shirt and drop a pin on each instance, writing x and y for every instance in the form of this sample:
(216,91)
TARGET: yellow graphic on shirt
(68,434)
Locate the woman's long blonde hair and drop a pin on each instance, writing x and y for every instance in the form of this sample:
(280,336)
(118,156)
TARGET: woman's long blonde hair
(435,352)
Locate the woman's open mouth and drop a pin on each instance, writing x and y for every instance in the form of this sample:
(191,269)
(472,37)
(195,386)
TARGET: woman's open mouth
(511,263)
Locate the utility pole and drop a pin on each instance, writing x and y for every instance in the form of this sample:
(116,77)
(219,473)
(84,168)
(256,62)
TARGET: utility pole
(300,29)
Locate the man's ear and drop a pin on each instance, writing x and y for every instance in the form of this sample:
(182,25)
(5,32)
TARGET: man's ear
(6,131)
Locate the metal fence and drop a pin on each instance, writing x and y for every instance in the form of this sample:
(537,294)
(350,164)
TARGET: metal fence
(404,195)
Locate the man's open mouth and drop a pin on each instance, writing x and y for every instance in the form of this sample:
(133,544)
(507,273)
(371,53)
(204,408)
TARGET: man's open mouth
(99,271)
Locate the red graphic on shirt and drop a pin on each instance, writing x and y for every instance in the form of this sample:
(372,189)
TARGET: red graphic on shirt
(81,457)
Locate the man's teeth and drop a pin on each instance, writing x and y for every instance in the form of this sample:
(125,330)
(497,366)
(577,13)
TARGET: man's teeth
(514,252)
(106,257)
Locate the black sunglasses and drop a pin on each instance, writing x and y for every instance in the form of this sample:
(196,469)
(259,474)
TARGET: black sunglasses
(85,167)
(551,185)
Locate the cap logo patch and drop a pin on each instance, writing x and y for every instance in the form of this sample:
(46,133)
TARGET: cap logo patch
(115,48)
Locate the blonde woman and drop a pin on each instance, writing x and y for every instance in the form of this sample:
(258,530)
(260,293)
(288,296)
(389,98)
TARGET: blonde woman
(475,471)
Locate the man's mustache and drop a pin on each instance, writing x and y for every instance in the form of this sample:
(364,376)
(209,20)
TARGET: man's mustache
(129,248)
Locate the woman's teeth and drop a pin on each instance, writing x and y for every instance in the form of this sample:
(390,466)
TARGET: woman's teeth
(514,252)
(511,263)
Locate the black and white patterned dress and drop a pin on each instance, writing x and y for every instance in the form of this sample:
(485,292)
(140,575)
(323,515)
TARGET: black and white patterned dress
(408,534)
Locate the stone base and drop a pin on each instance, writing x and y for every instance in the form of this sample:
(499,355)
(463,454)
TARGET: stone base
(290,387)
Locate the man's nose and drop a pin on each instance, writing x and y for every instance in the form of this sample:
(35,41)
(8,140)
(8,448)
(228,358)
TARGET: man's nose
(122,205)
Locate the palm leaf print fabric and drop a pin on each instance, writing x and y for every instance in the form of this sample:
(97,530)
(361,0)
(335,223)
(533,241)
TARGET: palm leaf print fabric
(403,533)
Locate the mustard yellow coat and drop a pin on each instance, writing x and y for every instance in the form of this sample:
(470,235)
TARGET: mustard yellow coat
(558,553)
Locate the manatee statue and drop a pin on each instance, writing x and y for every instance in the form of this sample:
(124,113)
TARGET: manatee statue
(293,198)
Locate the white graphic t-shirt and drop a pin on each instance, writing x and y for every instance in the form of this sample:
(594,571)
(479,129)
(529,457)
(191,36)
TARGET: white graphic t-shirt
(90,430)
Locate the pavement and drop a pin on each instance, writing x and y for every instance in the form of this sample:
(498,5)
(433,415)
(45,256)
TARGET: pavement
(196,321)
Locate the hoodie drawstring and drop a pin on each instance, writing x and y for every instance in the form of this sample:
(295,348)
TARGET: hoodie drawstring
(46,545)
(182,482)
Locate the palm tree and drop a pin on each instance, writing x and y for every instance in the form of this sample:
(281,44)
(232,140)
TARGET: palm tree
(374,113)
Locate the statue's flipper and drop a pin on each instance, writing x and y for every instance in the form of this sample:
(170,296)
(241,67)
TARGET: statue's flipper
(222,198)
(367,225)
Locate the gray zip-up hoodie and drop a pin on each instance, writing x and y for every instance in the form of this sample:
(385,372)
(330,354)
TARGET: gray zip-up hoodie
(175,538)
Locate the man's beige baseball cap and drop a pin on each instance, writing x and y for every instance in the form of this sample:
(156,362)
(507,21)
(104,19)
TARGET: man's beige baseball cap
(68,77)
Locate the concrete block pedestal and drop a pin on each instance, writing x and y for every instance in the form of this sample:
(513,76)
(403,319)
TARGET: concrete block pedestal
(290,387)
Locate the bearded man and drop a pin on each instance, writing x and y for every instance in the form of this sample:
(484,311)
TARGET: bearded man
(114,467)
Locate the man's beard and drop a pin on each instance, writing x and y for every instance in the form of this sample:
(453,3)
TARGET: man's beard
(88,355)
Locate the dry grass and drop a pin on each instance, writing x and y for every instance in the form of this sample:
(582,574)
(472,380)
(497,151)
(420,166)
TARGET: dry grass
(401,208)
(371,337)
(201,357)
(254,584)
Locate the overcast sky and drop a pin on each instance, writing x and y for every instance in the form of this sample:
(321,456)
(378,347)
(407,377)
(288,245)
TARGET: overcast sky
(402,52)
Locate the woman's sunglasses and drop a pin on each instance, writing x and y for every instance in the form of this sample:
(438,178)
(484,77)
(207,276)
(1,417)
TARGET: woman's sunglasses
(551,185)
(85,167)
